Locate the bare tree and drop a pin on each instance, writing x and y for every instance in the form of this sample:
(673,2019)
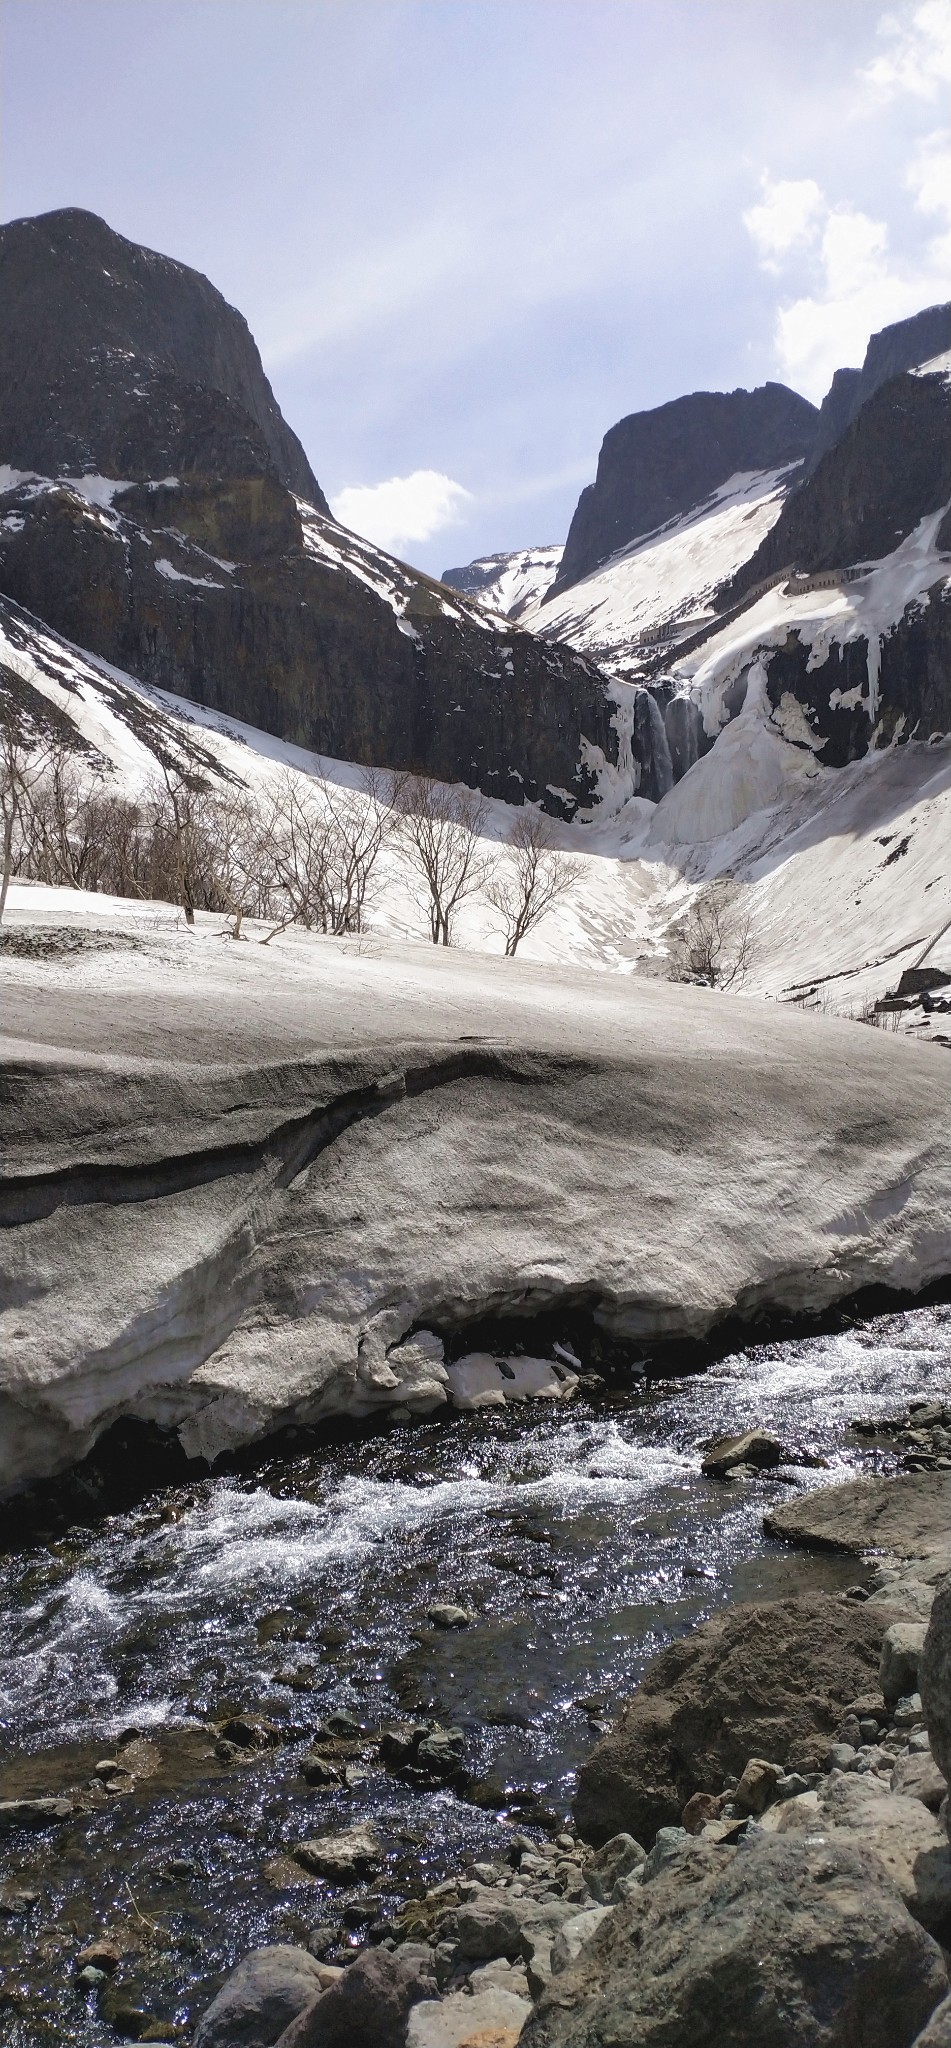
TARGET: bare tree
(439,832)
(522,889)
(19,770)
(718,938)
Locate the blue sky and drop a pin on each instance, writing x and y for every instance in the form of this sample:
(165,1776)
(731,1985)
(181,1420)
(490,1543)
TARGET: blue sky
(468,235)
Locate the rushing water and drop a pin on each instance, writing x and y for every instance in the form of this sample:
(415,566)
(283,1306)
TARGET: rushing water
(582,1538)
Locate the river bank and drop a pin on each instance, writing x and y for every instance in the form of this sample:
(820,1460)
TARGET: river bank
(578,1539)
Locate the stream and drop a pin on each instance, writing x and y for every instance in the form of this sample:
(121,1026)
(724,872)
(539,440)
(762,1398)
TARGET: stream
(580,1536)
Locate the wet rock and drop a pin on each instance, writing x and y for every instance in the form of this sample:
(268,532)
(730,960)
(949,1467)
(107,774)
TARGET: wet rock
(444,1615)
(342,1858)
(368,2006)
(102,1955)
(259,1999)
(492,2019)
(771,1945)
(251,1731)
(902,1645)
(440,1752)
(319,1771)
(341,1726)
(906,1516)
(34,1813)
(766,1680)
(755,1448)
(618,1858)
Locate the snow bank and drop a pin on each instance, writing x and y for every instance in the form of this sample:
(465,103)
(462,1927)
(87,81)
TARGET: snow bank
(238,1180)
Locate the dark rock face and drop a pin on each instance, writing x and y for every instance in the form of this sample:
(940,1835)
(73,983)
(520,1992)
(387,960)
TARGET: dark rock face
(891,467)
(835,412)
(771,1945)
(890,352)
(205,577)
(913,691)
(219,592)
(768,1680)
(902,346)
(656,465)
(116,360)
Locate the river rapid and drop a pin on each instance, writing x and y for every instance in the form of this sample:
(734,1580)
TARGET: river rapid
(581,1537)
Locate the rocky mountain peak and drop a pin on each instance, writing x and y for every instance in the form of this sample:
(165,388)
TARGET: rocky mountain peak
(119,360)
(657,465)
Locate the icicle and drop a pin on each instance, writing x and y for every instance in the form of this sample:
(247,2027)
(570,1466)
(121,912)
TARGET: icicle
(874,674)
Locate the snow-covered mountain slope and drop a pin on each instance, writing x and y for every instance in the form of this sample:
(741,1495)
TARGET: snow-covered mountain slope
(845,872)
(509,584)
(662,586)
(848,667)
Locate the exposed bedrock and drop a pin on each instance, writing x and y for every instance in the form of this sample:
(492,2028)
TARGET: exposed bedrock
(116,359)
(371,666)
(897,689)
(655,465)
(890,469)
(253,1235)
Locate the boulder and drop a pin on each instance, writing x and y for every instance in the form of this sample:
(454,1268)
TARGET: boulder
(484,1932)
(774,1944)
(571,1938)
(902,1645)
(908,1841)
(907,1516)
(934,1679)
(918,1777)
(259,1999)
(753,1448)
(765,1680)
(368,2006)
(757,1786)
(618,1858)
(34,1813)
(344,1858)
(489,2019)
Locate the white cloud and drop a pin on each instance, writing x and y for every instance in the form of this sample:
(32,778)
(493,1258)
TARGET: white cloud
(403,509)
(785,218)
(917,60)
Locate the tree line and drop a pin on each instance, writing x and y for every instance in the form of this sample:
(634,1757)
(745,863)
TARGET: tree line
(294,851)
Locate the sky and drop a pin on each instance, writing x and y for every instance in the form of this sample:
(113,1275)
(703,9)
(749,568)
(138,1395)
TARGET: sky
(469,235)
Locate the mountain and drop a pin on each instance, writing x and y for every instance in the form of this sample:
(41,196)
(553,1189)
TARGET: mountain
(903,346)
(507,583)
(655,466)
(116,360)
(156,510)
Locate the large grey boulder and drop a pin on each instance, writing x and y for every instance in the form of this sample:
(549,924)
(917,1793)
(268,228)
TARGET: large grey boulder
(368,2007)
(909,1842)
(257,2002)
(765,1680)
(908,1516)
(934,1678)
(776,1944)
(902,1645)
